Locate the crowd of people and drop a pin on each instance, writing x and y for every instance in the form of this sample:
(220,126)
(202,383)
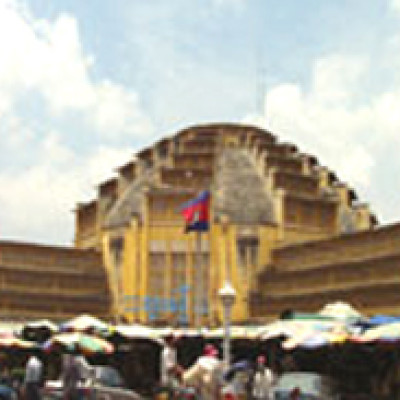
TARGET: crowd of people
(210,379)
(75,369)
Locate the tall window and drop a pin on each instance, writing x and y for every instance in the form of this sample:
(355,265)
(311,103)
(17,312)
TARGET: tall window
(205,259)
(179,290)
(248,250)
(117,247)
(163,151)
(116,250)
(157,274)
(178,270)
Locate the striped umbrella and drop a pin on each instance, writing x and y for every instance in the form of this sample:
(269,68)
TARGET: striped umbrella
(78,342)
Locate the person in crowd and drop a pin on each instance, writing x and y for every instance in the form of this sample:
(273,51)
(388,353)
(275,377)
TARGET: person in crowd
(75,370)
(70,377)
(295,394)
(86,371)
(262,381)
(33,377)
(170,370)
(5,375)
(237,378)
(205,375)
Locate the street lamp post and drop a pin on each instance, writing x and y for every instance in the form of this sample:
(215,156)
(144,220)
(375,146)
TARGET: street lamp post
(227,295)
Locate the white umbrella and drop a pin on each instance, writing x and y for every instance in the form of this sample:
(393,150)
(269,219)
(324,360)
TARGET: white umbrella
(84,323)
(42,324)
(341,310)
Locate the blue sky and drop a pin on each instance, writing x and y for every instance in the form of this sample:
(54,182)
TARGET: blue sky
(84,84)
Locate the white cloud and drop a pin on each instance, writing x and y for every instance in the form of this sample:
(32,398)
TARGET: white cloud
(47,57)
(16,134)
(236,4)
(102,163)
(333,75)
(386,113)
(117,111)
(63,69)
(45,77)
(38,202)
(357,167)
(335,119)
(395,4)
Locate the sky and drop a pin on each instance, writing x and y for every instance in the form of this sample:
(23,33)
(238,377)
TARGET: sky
(86,84)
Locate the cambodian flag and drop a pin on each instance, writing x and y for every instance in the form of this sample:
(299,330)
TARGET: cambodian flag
(196,213)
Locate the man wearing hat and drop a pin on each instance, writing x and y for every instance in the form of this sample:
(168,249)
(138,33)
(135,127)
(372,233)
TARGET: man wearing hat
(263,380)
(205,374)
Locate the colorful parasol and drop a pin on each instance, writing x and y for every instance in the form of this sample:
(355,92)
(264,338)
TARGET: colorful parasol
(342,311)
(39,330)
(85,323)
(289,328)
(9,341)
(383,333)
(78,342)
(42,324)
(316,339)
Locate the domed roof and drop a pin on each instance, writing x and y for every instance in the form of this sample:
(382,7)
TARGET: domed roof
(244,167)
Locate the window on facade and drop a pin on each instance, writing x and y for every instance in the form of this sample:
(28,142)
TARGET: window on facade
(291,211)
(308,214)
(206,270)
(148,163)
(176,143)
(157,265)
(254,252)
(241,248)
(178,270)
(159,206)
(116,248)
(327,217)
(247,252)
(163,151)
(178,299)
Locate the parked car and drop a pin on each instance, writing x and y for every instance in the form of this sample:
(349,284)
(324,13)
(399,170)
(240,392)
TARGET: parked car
(7,393)
(305,386)
(106,384)
(9,388)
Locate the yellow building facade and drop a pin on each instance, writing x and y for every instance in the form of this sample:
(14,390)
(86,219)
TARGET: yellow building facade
(58,283)
(360,268)
(265,195)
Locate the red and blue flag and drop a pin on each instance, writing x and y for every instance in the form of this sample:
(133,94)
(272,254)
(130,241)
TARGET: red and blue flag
(196,213)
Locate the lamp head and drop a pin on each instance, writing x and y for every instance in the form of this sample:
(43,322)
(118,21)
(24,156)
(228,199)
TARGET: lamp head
(227,294)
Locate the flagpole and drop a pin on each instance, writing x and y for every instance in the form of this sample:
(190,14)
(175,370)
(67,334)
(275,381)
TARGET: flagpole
(196,214)
(199,280)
